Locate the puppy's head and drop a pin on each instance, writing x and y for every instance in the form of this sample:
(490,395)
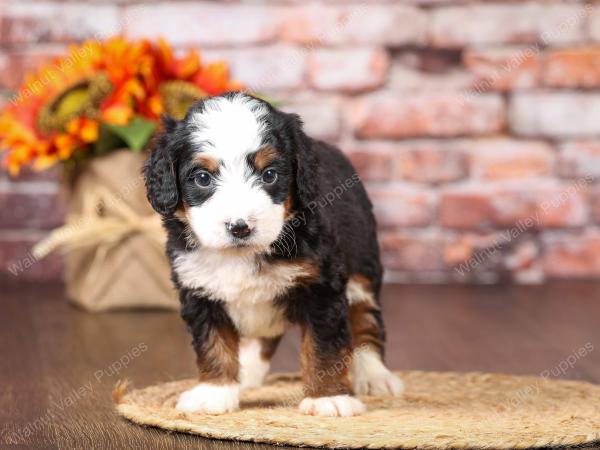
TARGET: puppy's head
(234,169)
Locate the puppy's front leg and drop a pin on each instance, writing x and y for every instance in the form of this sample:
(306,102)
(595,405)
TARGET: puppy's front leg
(216,343)
(326,357)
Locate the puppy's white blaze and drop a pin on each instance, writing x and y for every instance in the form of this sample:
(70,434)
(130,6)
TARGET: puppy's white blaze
(210,399)
(370,376)
(230,126)
(335,406)
(253,368)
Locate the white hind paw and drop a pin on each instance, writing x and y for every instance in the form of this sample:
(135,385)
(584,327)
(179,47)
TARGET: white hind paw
(335,406)
(371,377)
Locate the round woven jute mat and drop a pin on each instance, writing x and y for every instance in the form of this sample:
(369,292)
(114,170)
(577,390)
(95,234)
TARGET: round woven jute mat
(437,410)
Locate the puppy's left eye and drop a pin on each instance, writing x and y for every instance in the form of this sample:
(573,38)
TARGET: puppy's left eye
(269,176)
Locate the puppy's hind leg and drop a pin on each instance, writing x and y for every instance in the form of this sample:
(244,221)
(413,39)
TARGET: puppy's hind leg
(255,360)
(368,373)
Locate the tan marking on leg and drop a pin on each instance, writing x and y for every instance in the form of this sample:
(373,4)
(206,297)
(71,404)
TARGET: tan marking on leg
(364,328)
(217,359)
(323,375)
(359,290)
(363,308)
(268,347)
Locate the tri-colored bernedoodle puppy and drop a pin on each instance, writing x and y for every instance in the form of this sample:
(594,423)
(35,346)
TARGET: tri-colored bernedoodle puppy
(268,228)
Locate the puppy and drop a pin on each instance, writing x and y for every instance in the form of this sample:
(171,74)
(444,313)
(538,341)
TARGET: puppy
(268,228)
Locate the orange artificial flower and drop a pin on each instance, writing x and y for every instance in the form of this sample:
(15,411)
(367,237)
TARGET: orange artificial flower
(84,129)
(214,78)
(58,110)
(188,66)
(118,114)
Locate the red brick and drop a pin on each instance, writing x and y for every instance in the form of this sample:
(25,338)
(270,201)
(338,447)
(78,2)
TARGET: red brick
(410,252)
(494,257)
(264,69)
(526,23)
(524,262)
(17,262)
(373,161)
(204,23)
(31,210)
(404,77)
(520,205)
(390,25)
(503,69)
(402,206)
(462,248)
(579,159)
(555,114)
(475,256)
(496,159)
(406,114)
(595,205)
(321,116)
(572,255)
(350,70)
(15,65)
(26,22)
(573,68)
(430,162)
(594,23)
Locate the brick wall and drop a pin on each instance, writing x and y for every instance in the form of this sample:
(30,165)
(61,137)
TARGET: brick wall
(476,124)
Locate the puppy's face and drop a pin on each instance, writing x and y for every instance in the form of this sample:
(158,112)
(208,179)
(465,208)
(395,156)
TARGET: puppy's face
(234,165)
(234,180)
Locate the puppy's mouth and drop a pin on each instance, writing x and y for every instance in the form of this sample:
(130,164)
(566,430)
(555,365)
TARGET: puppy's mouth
(240,243)
(246,243)
(242,247)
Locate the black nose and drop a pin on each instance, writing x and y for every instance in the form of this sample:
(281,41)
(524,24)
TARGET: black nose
(239,229)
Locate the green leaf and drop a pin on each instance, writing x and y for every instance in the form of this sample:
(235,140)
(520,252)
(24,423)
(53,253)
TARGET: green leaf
(135,134)
(107,140)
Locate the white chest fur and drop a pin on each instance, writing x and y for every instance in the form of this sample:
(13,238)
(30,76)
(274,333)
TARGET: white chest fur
(247,288)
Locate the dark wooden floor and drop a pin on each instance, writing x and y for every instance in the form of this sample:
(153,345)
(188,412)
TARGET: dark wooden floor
(58,364)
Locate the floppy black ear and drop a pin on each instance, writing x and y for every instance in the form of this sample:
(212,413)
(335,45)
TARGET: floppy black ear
(160,172)
(306,162)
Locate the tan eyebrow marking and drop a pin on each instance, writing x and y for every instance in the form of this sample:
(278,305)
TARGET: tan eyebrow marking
(264,157)
(207,162)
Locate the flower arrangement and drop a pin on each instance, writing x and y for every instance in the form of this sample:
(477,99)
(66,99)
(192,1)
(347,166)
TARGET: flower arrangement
(102,96)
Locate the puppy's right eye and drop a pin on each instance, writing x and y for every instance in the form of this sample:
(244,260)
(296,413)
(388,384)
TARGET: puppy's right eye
(203,179)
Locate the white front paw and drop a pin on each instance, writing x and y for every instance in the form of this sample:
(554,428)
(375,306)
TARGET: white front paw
(210,399)
(336,406)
